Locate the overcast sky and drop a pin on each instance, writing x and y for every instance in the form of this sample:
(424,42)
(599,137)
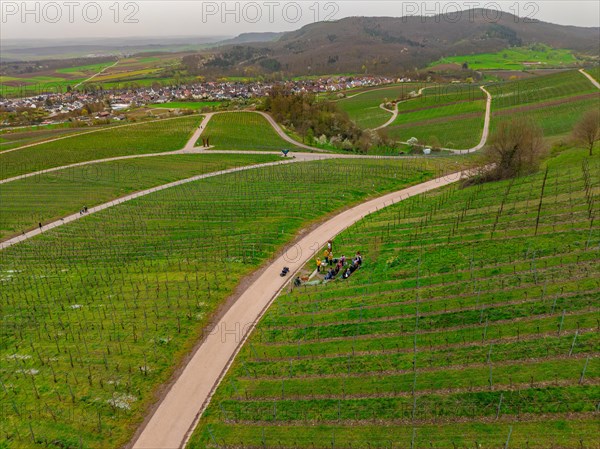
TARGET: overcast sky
(81,18)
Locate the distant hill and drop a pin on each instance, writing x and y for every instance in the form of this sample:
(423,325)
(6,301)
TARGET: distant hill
(246,38)
(387,45)
(47,49)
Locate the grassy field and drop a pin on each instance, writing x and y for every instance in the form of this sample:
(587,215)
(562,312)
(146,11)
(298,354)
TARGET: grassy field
(84,70)
(44,198)
(243,131)
(186,104)
(55,81)
(97,313)
(515,58)
(447,116)
(363,107)
(142,71)
(155,137)
(472,323)
(132,71)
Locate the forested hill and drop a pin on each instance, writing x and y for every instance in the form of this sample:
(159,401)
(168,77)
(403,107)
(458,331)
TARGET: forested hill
(386,45)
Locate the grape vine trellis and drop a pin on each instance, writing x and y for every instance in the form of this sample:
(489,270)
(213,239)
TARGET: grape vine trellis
(465,327)
(96,312)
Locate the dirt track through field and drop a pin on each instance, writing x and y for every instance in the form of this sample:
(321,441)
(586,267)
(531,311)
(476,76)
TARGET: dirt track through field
(395,112)
(174,419)
(486,128)
(486,124)
(590,77)
(95,75)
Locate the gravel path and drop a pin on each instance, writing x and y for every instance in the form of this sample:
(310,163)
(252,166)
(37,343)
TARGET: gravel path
(590,77)
(486,128)
(174,419)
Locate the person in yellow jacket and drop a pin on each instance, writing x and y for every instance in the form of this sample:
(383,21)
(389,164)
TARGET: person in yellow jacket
(325,256)
(330,258)
(318,265)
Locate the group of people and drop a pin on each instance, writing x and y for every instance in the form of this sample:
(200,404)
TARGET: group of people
(337,265)
(83,210)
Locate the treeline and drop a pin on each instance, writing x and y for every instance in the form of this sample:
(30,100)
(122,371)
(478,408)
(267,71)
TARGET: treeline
(320,123)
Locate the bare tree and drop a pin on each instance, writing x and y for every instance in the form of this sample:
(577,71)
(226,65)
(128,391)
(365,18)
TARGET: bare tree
(516,148)
(587,130)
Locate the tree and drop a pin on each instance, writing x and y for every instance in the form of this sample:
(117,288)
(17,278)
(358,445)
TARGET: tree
(587,130)
(516,148)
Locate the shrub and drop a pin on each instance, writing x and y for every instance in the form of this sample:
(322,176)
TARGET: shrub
(516,148)
(587,131)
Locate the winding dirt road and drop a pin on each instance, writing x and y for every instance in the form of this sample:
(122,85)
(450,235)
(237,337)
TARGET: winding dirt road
(276,127)
(174,419)
(486,128)
(394,112)
(394,116)
(590,77)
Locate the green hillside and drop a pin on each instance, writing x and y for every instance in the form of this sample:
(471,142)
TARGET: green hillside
(472,323)
(516,58)
(152,137)
(98,313)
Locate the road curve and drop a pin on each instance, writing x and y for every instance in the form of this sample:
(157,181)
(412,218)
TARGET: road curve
(190,148)
(394,112)
(174,419)
(276,127)
(590,77)
(486,128)
(392,118)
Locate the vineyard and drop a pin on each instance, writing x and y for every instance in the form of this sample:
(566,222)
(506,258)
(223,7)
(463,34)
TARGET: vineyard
(363,107)
(595,72)
(155,137)
(447,116)
(246,131)
(98,313)
(556,102)
(47,197)
(33,134)
(473,322)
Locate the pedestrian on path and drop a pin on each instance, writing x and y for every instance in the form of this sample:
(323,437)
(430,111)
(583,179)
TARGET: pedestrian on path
(40,225)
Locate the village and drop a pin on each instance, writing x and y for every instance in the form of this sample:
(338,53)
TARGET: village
(84,105)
